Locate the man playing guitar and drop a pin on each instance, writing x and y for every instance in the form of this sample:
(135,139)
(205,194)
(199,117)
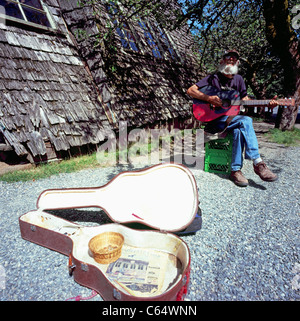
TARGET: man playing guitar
(244,136)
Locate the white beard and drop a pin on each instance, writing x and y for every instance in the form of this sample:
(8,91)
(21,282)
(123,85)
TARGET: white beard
(228,69)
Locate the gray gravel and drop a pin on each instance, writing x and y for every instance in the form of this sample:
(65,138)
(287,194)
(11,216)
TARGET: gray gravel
(247,249)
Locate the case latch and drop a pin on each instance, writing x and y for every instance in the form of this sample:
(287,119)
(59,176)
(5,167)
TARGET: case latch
(116,294)
(71,265)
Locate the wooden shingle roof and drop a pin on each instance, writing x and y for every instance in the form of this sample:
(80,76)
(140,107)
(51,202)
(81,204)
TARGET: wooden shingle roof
(62,89)
(46,94)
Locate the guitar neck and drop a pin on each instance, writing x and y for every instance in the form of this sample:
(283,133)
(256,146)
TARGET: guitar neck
(254,102)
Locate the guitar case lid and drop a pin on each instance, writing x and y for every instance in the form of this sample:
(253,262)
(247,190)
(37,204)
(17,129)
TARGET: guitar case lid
(163,197)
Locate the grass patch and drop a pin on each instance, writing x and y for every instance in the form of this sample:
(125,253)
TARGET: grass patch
(288,137)
(97,159)
(54,168)
(75,164)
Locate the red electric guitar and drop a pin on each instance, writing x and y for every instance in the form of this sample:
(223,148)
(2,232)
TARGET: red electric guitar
(231,104)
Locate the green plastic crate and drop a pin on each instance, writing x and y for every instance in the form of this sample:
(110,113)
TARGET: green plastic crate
(220,144)
(218,155)
(217,162)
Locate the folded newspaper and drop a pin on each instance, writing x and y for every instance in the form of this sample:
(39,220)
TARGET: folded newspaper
(144,272)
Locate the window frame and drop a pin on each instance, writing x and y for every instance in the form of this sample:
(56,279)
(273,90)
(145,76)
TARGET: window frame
(122,28)
(127,36)
(161,44)
(162,40)
(45,10)
(166,42)
(156,49)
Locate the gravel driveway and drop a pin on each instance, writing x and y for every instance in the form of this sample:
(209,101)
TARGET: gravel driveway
(247,249)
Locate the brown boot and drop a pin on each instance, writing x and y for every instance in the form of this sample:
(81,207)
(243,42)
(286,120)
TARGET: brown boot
(264,172)
(238,178)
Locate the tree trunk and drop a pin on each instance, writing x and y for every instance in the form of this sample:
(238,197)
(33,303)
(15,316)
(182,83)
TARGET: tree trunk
(285,43)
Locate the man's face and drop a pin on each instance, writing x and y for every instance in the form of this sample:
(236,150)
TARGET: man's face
(229,65)
(230,59)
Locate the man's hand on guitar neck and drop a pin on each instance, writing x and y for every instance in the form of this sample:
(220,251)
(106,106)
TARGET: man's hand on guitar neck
(273,103)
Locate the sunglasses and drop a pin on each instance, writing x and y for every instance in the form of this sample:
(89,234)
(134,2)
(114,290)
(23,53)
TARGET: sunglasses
(230,56)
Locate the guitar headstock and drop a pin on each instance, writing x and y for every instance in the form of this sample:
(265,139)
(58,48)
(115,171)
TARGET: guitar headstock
(286,101)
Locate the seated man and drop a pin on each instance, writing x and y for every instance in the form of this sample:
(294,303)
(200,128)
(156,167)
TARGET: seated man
(241,126)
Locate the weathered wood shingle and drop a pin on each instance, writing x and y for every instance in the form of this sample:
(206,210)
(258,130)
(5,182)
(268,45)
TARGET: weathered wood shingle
(61,88)
(46,93)
(140,88)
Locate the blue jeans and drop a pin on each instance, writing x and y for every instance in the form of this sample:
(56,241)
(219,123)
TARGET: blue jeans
(244,137)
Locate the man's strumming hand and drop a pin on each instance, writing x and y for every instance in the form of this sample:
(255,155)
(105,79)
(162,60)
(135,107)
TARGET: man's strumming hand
(215,101)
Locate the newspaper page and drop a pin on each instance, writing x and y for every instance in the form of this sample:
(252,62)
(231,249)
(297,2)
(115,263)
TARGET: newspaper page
(143,272)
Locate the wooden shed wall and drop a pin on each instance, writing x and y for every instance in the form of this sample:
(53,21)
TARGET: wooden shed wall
(59,90)
(47,94)
(136,86)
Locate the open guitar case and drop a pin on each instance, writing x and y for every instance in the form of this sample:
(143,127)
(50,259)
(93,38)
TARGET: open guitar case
(151,208)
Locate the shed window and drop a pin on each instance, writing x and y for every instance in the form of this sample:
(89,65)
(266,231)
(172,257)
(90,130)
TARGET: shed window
(128,40)
(31,12)
(157,39)
(166,43)
(150,39)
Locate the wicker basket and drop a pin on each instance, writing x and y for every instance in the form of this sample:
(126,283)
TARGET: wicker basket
(106,247)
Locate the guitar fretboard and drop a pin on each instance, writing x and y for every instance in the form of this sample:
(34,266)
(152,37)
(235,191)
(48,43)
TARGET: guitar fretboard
(254,102)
